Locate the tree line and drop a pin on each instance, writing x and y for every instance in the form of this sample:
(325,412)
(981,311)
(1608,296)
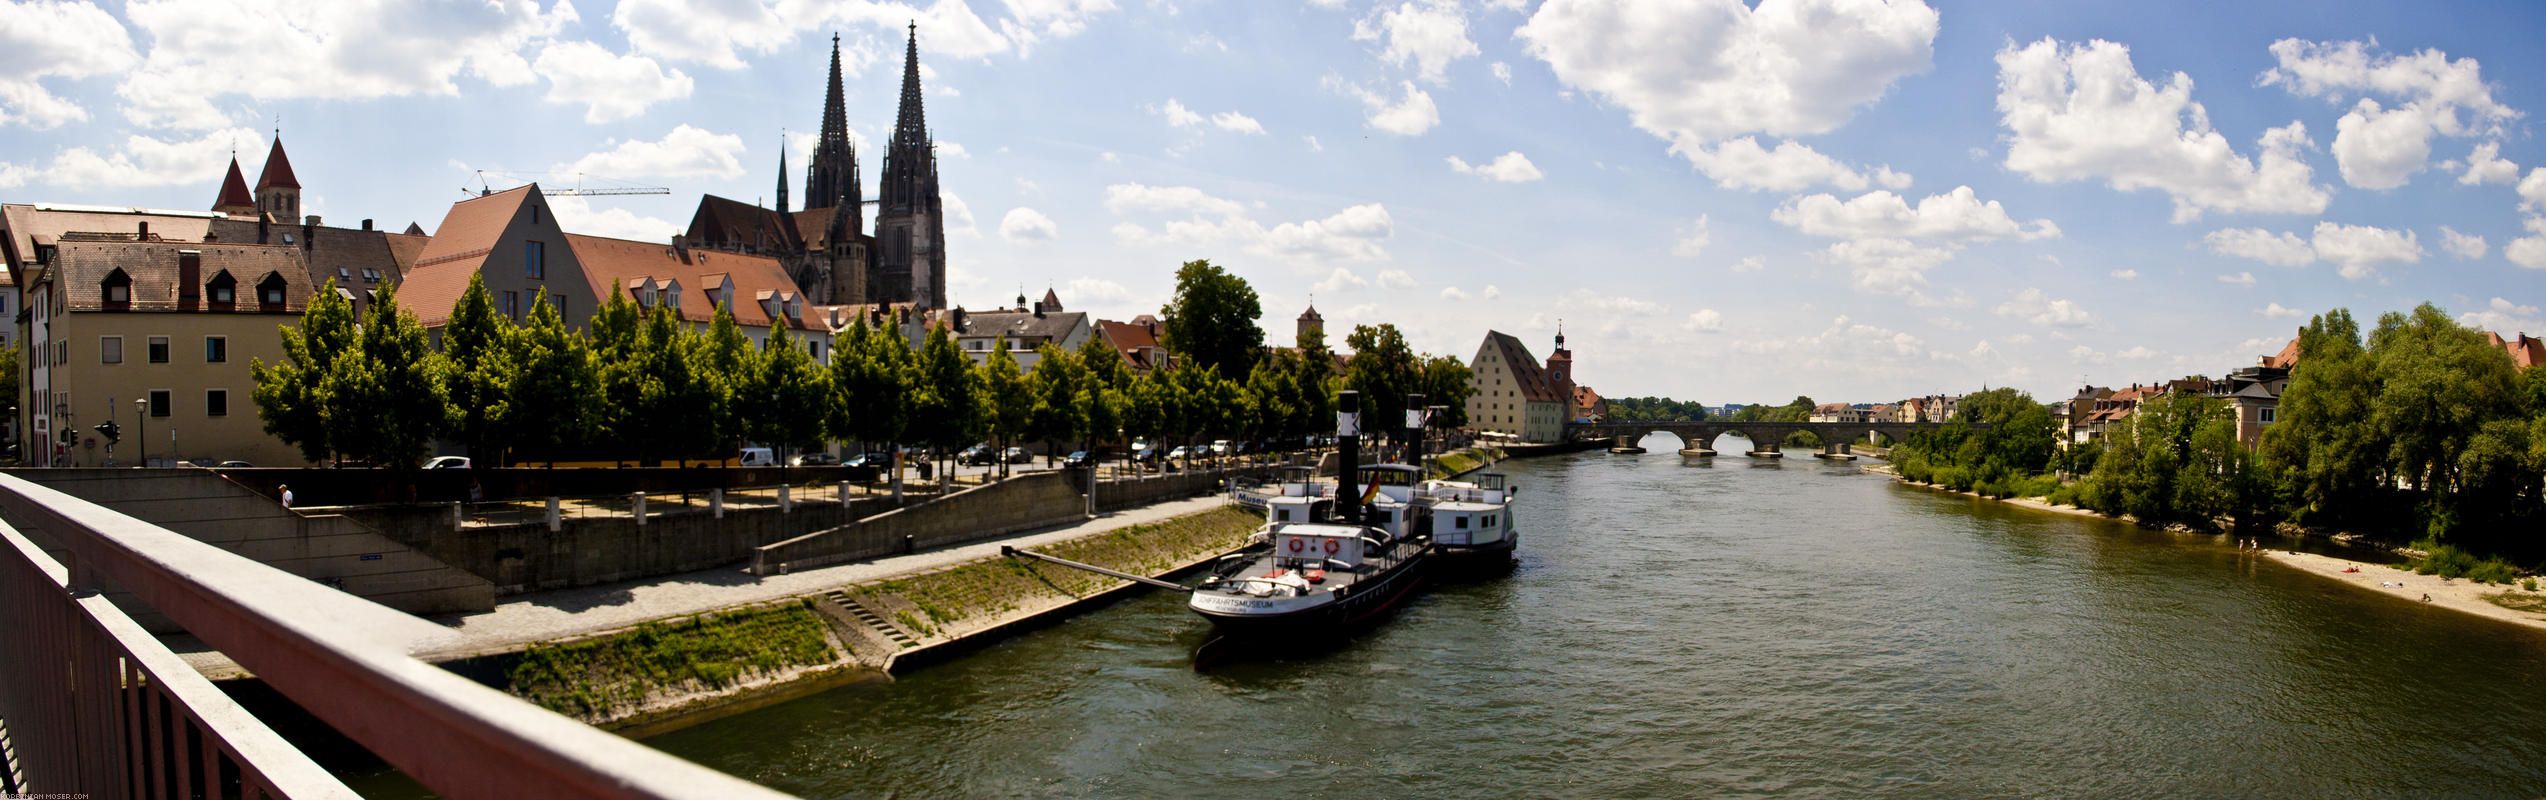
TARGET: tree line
(642,386)
(2422,429)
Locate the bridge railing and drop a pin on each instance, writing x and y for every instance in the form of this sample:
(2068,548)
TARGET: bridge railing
(91,704)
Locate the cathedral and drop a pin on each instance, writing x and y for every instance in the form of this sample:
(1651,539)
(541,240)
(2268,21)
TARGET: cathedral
(825,246)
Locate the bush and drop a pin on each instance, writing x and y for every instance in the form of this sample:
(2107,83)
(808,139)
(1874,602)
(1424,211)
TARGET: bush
(2448,561)
(2530,584)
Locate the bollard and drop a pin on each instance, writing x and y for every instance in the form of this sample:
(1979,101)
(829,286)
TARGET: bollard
(459,514)
(716,503)
(555,521)
(786,499)
(636,505)
(844,495)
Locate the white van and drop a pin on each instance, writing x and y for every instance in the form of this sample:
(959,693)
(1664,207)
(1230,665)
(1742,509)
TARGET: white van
(756,457)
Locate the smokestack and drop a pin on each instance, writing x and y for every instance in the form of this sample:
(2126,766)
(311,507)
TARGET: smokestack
(1348,453)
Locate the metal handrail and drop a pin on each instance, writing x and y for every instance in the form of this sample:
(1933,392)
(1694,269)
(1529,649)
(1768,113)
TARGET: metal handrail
(349,662)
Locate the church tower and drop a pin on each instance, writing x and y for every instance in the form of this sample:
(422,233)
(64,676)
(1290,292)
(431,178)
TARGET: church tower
(1311,325)
(235,200)
(910,227)
(831,181)
(278,191)
(1560,372)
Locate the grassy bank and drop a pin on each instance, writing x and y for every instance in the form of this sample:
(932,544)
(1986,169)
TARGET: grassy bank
(952,601)
(609,675)
(1462,460)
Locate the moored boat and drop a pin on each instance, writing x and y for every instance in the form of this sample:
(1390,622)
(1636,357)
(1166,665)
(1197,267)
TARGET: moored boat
(1472,521)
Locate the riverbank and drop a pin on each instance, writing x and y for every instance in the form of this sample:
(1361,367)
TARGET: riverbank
(2505,602)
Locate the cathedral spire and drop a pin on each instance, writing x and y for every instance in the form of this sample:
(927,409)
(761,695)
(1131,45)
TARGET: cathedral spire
(911,126)
(782,171)
(835,112)
(831,181)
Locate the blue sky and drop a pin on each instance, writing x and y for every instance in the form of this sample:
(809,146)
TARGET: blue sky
(1728,202)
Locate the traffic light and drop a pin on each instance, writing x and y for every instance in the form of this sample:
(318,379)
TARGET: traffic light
(110,430)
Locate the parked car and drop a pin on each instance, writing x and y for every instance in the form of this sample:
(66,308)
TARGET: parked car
(1077,460)
(448,462)
(817,460)
(1018,455)
(756,457)
(1147,455)
(1180,454)
(977,455)
(234,465)
(876,460)
(1222,447)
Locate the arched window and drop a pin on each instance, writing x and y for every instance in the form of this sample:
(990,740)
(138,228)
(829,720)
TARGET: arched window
(116,289)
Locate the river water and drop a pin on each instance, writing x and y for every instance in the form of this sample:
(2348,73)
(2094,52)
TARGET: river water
(1739,627)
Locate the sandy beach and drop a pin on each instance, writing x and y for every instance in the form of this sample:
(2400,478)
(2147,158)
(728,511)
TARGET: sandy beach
(2456,595)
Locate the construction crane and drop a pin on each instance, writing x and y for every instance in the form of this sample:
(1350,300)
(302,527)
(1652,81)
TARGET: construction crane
(484,189)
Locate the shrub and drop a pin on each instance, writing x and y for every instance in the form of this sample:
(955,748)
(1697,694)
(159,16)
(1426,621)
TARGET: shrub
(2529,584)
(2448,561)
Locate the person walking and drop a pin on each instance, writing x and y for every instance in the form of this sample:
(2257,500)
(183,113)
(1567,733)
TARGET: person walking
(287,495)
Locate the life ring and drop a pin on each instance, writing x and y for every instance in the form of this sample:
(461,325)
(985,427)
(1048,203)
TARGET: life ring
(1295,545)
(1333,547)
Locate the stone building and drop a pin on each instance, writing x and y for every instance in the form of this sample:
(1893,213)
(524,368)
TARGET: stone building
(1512,395)
(824,247)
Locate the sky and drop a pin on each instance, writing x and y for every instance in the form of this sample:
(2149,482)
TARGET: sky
(1853,200)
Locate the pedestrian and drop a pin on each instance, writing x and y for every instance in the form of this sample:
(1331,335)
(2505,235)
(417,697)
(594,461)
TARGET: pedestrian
(287,494)
(477,493)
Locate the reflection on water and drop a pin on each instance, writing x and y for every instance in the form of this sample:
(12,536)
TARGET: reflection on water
(1720,627)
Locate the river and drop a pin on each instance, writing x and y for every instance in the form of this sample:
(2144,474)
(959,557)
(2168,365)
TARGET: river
(1739,627)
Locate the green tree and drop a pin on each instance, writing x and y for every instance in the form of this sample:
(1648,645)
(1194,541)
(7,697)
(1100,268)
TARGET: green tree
(1447,382)
(1007,401)
(790,395)
(947,409)
(2439,384)
(617,336)
(1313,385)
(676,407)
(386,400)
(556,396)
(1054,386)
(1211,320)
(1272,407)
(872,371)
(291,396)
(1384,370)
(2326,450)
(478,343)
(729,363)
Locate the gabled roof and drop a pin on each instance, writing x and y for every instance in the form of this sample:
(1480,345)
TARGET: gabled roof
(1019,326)
(2526,351)
(722,222)
(153,269)
(278,169)
(1531,379)
(2288,356)
(612,264)
(440,272)
(234,190)
(1051,301)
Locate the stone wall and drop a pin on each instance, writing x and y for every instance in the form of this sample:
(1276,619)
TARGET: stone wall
(527,557)
(1025,502)
(354,487)
(328,548)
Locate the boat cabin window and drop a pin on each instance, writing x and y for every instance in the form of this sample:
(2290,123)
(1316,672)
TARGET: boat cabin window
(1282,515)
(1489,520)
(1461,524)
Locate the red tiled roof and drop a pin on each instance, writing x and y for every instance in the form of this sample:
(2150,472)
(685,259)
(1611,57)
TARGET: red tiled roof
(1531,380)
(278,169)
(612,264)
(234,189)
(2526,351)
(441,271)
(2287,358)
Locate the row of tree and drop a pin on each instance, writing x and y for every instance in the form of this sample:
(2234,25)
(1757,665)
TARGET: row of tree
(647,387)
(2423,428)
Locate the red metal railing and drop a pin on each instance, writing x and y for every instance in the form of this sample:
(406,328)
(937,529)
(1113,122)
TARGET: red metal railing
(92,704)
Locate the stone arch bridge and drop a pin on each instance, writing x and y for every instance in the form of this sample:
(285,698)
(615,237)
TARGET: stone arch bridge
(1699,436)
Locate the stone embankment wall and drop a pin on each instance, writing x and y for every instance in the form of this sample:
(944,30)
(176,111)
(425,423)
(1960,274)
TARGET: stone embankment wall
(676,536)
(1024,502)
(327,548)
(355,487)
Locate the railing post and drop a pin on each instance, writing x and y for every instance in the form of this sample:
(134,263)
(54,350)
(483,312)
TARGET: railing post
(716,503)
(636,506)
(786,499)
(556,521)
(844,495)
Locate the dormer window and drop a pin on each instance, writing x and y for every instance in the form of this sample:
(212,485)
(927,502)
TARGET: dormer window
(713,298)
(222,289)
(672,296)
(118,288)
(269,292)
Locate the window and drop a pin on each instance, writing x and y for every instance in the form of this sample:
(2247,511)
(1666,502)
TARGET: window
(216,402)
(531,257)
(118,287)
(159,400)
(158,349)
(561,307)
(269,292)
(61,352)
(1460,523)
(2267,415)
(512,304)
(223,288)
(216,349)
(110,349)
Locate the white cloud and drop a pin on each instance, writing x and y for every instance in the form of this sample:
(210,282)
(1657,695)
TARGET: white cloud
(1742,164)
(1058,18)
(959,219)
(1502,72)
(1337,281)
(1431,33)
(2285,250)
(1097,290)
(1958,215)
(2278,311)
(1313,146)
(2031,305)
(2079,112)
(1509,167)
(1234,121)
(351,49)
(1453,293)
(1693,240)
(1704,320)
(1409,115)
(710,33)
(1492,291)
(576,215)
(2504,315)
(2486,165)
(51,39)
(2463,245)
(1178,115)
(685,152)
(2125,274)
(2532,191)
(1353,234)
(1027,225)
(1750,264)
(143,161)
(1887,266)
(1128,197)
(2137,352)
(952,150)
(2357,251)
(1395,279)
(611,86)
(2245,279)
(2380,147)
(1699,71)
(2529,251)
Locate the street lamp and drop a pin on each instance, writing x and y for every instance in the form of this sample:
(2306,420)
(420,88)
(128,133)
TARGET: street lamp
(141,431)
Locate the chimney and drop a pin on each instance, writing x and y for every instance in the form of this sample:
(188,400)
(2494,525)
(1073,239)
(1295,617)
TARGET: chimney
(189,278)
(959,319)
(366,224)
(144,235)
(312,221)
(1038,309)
(1152,325)
(681,247)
